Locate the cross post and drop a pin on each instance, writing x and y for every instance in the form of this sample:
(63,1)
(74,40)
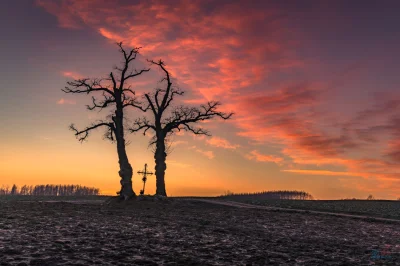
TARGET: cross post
(144,173)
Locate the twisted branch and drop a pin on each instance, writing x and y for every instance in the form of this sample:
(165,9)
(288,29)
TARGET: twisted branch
(84,134)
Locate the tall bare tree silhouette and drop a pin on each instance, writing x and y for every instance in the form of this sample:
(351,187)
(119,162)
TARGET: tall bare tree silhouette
(165,124)
(115,94)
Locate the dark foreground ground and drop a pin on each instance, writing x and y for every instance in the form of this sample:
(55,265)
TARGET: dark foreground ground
(377,208)
(182,232)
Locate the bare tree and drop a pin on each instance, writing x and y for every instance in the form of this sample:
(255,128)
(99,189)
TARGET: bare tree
(370,197)
(165,124)
(117,95)
(14,190)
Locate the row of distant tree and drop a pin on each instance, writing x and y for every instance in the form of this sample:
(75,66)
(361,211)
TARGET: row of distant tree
(370,197)
(50,190)
(276,194)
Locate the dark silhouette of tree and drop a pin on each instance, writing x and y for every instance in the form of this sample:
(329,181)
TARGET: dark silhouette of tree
(164,124)
(5,190)
(265,195)
(51,190)
(116,94)
(24,190)
(370,197)
(14,190)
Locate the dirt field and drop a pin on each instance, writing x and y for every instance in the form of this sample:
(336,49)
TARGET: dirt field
(182,232)
(378,208)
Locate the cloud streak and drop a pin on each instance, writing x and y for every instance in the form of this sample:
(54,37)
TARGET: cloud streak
(64,101)
(259,157)
(222,143)
(209,154)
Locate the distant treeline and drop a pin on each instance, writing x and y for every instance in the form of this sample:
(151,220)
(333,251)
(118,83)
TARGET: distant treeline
(370,197)
(278,194)
(50,190)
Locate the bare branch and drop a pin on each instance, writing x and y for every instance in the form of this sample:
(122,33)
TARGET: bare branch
(196,131)
(128,90)
(185,116)
(171,98)
(113,81)
(137,73)
(151,104)
(84,134)
(152,141)
(156,98)
(86,86)
(141,123)
(128,58)
(103,104)
(161,64)
(135,103)
(132,53)
(109,134)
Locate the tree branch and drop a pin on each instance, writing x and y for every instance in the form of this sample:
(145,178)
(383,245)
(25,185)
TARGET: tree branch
(113,81)
(141,123)
(196,131)
(151,104)
(109,134)
(128,90)
(136,73)
(161,64)
(185,116)
(135,103)
(156,98)
(102,104)
(93,85)
(171,98)
(84,134)
(128,58)
(133,52)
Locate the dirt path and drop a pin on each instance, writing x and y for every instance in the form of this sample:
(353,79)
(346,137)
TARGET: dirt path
(252,206)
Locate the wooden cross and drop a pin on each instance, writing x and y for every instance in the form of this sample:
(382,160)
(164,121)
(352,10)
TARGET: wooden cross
(144,173)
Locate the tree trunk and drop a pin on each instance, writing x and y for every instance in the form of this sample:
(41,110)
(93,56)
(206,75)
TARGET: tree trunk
(125,168)
(160,157)
(125,172)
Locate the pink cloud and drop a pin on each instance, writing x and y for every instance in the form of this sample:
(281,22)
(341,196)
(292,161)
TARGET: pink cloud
(393,151)
(64,101)
(209,154)
(179,32)
(323,172)
(71,74)
(62,11)
(259,157)
(110,35)
(222,143)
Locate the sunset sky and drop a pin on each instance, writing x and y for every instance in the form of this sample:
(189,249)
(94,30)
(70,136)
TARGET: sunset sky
(314,86)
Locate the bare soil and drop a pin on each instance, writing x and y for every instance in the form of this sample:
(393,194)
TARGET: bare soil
(365,216)
(184,232)
(378,208)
